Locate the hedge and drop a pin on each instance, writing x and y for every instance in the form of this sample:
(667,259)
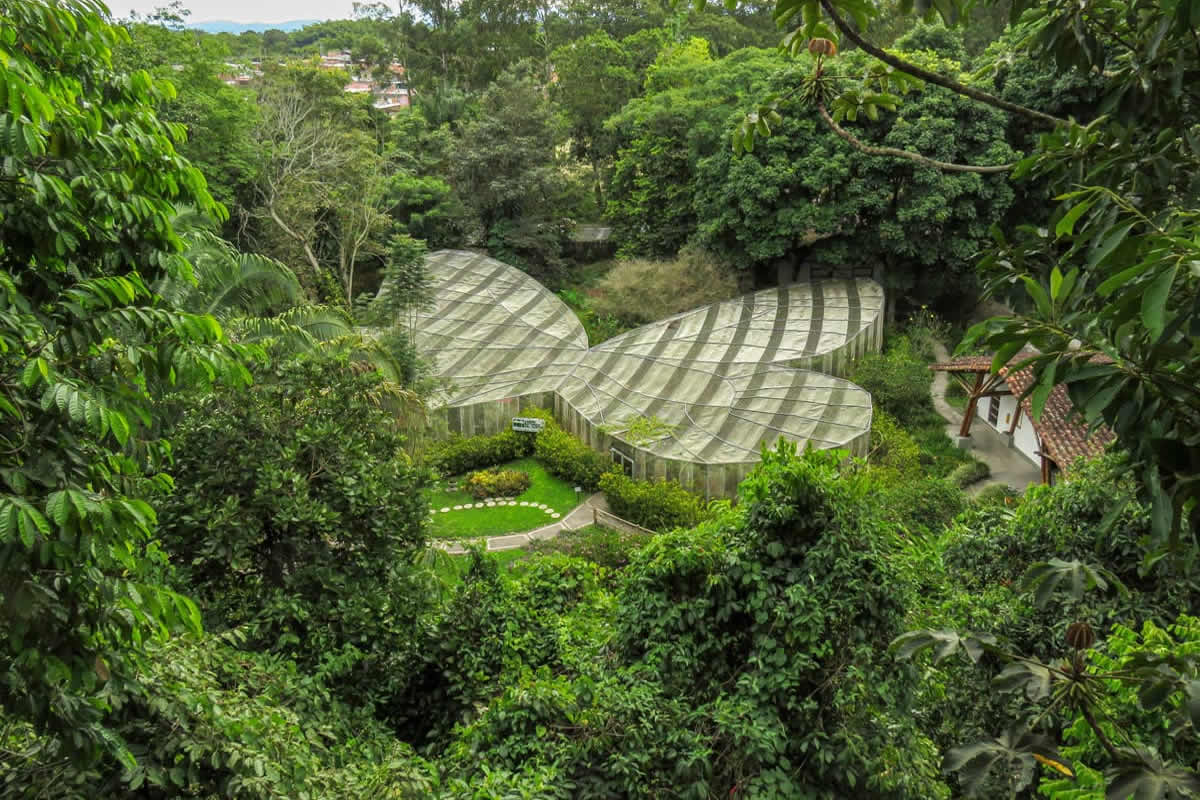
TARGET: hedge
(571,459)
(562,454)
(657,505)
(565,456)
(458,455)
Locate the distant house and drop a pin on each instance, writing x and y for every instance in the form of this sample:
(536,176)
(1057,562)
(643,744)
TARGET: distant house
(337,59)
(393,97)
(360,87)
(1053,442)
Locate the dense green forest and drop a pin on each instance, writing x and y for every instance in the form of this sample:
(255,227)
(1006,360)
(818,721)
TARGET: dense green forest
(216,460)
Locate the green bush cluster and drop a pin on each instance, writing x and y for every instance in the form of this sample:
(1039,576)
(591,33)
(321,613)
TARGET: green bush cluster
(895,456)
(657,505)
(969,472)
(898,381)
(496,482)
(998,494)
(567,457)
(921,506)
(603,546)
(462,454)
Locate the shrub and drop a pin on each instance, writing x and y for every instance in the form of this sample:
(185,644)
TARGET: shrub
(998,494)
(922,506)
(496,483)
(642,291)
(458,455)
(898,381)
(970,472)
(924,330)
(602,546)
(657,505)
(569,458)
(561,453)
(893,449)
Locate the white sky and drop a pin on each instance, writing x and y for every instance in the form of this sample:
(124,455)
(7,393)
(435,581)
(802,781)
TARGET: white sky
(243,10)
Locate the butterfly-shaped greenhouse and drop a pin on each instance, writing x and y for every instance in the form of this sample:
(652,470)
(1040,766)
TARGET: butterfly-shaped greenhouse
(690,398)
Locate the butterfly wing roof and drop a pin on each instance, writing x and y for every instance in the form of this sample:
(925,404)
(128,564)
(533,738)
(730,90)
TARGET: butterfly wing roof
(717,378)
(494,332)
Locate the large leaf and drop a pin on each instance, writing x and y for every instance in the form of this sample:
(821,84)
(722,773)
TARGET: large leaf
(943,643)
(1047,577)
(1031,679)
(1154,301)
(1015,754)
(1145,777)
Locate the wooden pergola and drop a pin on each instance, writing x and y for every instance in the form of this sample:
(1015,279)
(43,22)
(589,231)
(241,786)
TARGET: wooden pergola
(974,374)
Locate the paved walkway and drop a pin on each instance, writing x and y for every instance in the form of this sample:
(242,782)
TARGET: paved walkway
(580,517)
(1008,465)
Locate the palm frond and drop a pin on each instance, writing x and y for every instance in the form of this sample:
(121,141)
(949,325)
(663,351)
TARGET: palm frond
(299,328)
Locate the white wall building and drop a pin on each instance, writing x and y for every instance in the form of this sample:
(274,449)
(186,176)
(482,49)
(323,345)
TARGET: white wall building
(1054,442)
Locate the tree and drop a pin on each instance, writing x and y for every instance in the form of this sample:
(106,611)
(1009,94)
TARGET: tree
(86,349)
(407,287)
(806,195)
(595,78)
(322,184)
(295,515)
(662,138)
(506,171)
(1112,306)
(219,118)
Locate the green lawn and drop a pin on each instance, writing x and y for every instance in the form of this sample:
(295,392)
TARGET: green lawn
(475,522)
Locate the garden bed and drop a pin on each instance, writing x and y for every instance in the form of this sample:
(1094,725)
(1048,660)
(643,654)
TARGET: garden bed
(501,518)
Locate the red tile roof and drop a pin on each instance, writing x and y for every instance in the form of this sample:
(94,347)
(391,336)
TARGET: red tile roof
(965,364)
(1064,435)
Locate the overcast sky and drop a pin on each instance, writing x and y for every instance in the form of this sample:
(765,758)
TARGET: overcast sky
(243,10)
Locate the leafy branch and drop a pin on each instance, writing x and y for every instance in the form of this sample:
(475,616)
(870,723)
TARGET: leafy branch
(932,77)
(945,166)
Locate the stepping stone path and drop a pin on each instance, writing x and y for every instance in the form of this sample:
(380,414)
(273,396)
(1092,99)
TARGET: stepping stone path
(493,502)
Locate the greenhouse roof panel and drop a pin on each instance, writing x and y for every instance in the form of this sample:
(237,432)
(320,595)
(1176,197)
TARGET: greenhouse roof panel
(714,380)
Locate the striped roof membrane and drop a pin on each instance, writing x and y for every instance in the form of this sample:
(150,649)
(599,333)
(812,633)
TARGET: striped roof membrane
(716,378)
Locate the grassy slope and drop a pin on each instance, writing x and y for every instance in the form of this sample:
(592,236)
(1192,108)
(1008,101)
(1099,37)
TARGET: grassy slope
(474,522)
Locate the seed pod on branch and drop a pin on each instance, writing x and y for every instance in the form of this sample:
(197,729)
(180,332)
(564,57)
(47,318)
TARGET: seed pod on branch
(822,47)
(1080,636)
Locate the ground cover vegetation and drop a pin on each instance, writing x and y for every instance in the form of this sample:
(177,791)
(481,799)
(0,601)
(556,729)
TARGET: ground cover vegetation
(215,471)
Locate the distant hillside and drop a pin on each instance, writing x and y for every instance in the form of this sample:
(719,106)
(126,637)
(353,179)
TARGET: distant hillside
(225,26)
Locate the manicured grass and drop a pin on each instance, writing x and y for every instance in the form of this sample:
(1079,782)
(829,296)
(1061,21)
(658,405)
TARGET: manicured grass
(475,522)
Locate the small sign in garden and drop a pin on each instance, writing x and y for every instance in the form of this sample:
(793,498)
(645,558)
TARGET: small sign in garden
(528,424)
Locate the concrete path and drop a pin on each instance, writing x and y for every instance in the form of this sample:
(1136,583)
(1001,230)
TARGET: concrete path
(1008,465)
(580,517)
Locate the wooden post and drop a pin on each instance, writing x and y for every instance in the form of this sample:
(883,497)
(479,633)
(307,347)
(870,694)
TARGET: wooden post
(1016,418)
(965,430)
(1045,468)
